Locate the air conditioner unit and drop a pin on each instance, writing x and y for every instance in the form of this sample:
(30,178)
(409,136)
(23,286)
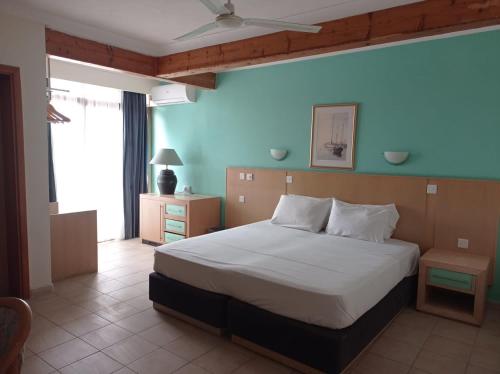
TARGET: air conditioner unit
(170,94)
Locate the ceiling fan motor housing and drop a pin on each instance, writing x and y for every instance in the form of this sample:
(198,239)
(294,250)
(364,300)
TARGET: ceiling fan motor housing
(229,21)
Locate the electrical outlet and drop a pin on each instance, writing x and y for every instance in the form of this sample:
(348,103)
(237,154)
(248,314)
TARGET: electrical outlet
(432,189)
(289,179)
(249,177)
(242,199)
(242,176)
(463,243)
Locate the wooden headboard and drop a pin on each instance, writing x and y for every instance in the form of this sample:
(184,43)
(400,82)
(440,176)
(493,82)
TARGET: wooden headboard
(468,209)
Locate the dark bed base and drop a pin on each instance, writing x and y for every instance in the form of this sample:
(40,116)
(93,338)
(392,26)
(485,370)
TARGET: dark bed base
(321,348)
(324,349)
(208,307)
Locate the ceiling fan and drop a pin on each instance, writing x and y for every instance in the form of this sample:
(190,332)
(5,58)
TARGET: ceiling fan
(227,19)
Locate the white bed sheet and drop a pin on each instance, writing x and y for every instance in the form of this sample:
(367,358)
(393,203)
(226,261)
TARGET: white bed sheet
(315,278)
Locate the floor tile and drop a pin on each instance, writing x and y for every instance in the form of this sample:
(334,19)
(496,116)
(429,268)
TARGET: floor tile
(106,336)
(417,371)
(141,321)
(86,294)
(421,321)
(90,279)
(116,312)
(85,324)
(373,363)
(69,288)
(67,353)
(134,278)
(47,306)
(434,363)
(472,369)
(485,358)
(39,323)
(449,347)
(99,302)
(193,345)
(456,330)
(396,350)
(408,334)
(35,365)
(158,362)
(67,314)
(109,286)
(48,338)
(224,359)
(127,293)
(166,332)
(262,365)
(98,363)
(130,349)
(191,369)
(486,339)
(141,302)
(124,370)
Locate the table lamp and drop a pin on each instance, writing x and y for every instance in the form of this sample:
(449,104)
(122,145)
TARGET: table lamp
(167,181)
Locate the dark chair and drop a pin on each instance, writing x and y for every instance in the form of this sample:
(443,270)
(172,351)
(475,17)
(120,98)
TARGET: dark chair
(15,324)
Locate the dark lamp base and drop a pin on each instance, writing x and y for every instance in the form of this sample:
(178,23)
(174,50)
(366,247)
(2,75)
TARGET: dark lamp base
(167,181)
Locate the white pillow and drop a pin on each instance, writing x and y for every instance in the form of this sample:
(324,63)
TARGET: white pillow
(302,212)
(391,208)
(362,222)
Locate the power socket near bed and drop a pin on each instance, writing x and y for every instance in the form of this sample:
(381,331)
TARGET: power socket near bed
(463,243)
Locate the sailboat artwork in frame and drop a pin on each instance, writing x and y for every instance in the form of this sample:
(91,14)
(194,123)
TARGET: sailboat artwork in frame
(333,136)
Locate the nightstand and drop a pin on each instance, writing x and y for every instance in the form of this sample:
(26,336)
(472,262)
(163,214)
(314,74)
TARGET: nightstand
(168,218)
(453,285)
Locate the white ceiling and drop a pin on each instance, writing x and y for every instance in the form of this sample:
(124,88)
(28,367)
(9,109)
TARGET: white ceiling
(149,26)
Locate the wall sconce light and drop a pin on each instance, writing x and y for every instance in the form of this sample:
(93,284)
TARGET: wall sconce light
(396,158)
(278,154)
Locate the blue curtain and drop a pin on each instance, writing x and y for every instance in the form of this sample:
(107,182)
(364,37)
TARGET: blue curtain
(134,158)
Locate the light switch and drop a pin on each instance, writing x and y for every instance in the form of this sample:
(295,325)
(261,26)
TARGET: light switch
(463,243)
(242,199)
(432,189)
(249,176)
(242,176)
(289,179)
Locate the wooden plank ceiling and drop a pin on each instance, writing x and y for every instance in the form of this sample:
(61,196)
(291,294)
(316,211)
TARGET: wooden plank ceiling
(197,67)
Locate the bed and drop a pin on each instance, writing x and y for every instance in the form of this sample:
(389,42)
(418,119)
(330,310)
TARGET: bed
(314,298)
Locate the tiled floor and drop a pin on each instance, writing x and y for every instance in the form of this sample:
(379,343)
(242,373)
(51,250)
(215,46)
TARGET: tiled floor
(104,323)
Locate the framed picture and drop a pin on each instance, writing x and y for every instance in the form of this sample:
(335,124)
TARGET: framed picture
(333,136)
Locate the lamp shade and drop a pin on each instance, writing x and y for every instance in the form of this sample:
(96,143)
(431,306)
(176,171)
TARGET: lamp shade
(166,156)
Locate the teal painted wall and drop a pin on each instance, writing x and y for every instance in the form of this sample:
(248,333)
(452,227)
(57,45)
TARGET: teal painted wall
(438,99)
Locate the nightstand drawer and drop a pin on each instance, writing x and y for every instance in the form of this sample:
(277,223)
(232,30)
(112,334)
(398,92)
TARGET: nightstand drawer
(169,237)
(175,226)
(451,279)
(175,210)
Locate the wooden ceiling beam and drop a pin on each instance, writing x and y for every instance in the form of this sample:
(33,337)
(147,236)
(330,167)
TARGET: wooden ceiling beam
(87,51)
(426,18)
(204,80)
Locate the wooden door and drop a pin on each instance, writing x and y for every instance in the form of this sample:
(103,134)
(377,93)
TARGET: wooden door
(14,268)
(150,220)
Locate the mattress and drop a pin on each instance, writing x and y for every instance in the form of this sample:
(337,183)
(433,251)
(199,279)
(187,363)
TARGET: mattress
(319,279)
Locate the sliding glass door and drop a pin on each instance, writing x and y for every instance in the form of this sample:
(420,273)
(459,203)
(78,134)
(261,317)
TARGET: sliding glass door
(88,154)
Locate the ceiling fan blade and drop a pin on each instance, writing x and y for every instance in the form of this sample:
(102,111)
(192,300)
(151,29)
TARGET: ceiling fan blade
(281,25)
(215,7)
(198,31)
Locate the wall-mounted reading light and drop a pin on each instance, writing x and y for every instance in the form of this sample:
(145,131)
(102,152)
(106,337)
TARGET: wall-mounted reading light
(278,154)
(396,158)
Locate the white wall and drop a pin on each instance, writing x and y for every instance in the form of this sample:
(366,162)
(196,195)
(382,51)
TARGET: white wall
(100,77)
(22,44)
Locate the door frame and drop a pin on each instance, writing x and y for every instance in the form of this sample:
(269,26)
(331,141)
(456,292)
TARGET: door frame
(15,185)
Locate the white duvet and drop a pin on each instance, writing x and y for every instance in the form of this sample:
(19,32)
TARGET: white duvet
(320,279)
